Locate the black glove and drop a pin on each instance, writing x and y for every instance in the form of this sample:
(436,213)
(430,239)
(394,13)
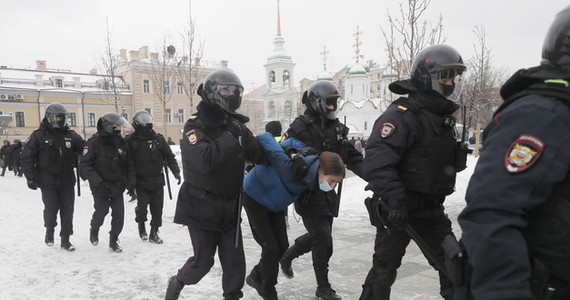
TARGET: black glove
(397,218)
(299,168)
(177,176)
(234,127)
(32,185)
(309,151)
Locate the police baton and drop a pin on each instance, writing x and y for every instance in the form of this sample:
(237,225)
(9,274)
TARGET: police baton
(167,181)
(426,249)
(78,178)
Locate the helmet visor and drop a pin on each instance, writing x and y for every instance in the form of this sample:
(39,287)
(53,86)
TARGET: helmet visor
(228,96)
(58,120)
(329,106)
(143,119)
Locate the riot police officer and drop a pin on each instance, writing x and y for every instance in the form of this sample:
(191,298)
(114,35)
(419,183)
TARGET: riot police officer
(105,163)
(320,129)
(48,159)
(215,146)
(6,155)
(149,152)
(516,232)
(412,157)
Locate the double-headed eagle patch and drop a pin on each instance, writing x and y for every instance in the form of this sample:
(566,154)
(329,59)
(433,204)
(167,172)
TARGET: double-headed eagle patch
(523,153)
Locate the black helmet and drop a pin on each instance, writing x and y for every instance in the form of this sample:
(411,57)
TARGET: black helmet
(110,122)
(222,88)
(556,47)
(319,95)
(142,118)
(436,63)
(56,115)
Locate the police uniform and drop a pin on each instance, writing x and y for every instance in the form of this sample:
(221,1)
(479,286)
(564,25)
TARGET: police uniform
(515,224)
(214,149)
(104,162)
(410,164)
(149,154)
(318,208)
(48,159)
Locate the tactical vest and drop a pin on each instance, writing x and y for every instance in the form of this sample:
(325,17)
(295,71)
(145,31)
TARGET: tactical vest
(219,181)
(147,156)
(110,160)
(56,154)
(429,166)
(324,137)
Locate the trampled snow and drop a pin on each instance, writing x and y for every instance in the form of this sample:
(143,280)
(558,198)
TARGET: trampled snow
(32,270)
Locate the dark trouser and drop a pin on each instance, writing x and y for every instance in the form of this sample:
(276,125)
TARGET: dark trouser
(154,199)
(232,259)
(60,199)
(318,239)
(390,246)
(102,205)
(17,167)
(7,163)
(270,232)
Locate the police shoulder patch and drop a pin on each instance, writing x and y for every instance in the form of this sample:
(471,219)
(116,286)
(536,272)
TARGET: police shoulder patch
(523,153)
(192,137)
(387,130)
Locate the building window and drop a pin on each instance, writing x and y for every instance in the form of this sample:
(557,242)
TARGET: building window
(72,120)
(181,115)
(20,120)
(365,125)
(90,119)
(146,86)
(168,114)
(58,82)
(179,88)
(166,87)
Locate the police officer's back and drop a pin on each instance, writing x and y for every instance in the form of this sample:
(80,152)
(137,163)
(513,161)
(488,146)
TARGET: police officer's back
(515,224)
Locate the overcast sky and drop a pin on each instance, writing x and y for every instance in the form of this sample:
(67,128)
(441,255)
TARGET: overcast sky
(70,34)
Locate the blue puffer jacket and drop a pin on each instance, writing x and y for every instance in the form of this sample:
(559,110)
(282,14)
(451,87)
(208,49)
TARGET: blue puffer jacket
(272,185)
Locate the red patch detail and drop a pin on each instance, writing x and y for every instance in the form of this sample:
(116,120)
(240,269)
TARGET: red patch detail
(523,153)
(192,137)
(387,130)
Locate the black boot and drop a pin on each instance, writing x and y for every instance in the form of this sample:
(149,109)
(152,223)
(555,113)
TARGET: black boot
(254,280)
(153,237)
(287,259)
(142,231)
(113,244)
(49,237)
(174,288)
(94,236)
(327,293)
(65,244)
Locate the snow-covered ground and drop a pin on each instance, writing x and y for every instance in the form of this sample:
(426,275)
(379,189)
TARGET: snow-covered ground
(31,270)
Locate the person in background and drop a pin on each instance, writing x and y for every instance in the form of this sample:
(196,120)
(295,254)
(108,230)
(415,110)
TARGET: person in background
(358,144)
(17,157)
(6,153)
(150,153)
(215,148)
(170,141)
(515,224)
(412,158)
(105,163)
(270,189)
(48,159)
(275,128)
(320,129)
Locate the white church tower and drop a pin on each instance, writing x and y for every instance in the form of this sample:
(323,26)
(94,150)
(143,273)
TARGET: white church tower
(357,85)
(281,98)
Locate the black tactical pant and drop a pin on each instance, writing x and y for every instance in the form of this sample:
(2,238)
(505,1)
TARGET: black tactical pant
(60,199)
(232,259)
(270,232)
(390,246)
(318,240)
(154,199)
(102,205)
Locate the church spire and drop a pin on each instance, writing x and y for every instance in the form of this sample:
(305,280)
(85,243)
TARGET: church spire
(278,20)
(325,54)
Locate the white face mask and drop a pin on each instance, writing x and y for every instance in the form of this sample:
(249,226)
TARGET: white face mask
(325,187)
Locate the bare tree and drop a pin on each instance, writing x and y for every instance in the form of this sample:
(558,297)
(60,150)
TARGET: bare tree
(480,92)
(161,71)
(413,32)
(189,59)
(108,62)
